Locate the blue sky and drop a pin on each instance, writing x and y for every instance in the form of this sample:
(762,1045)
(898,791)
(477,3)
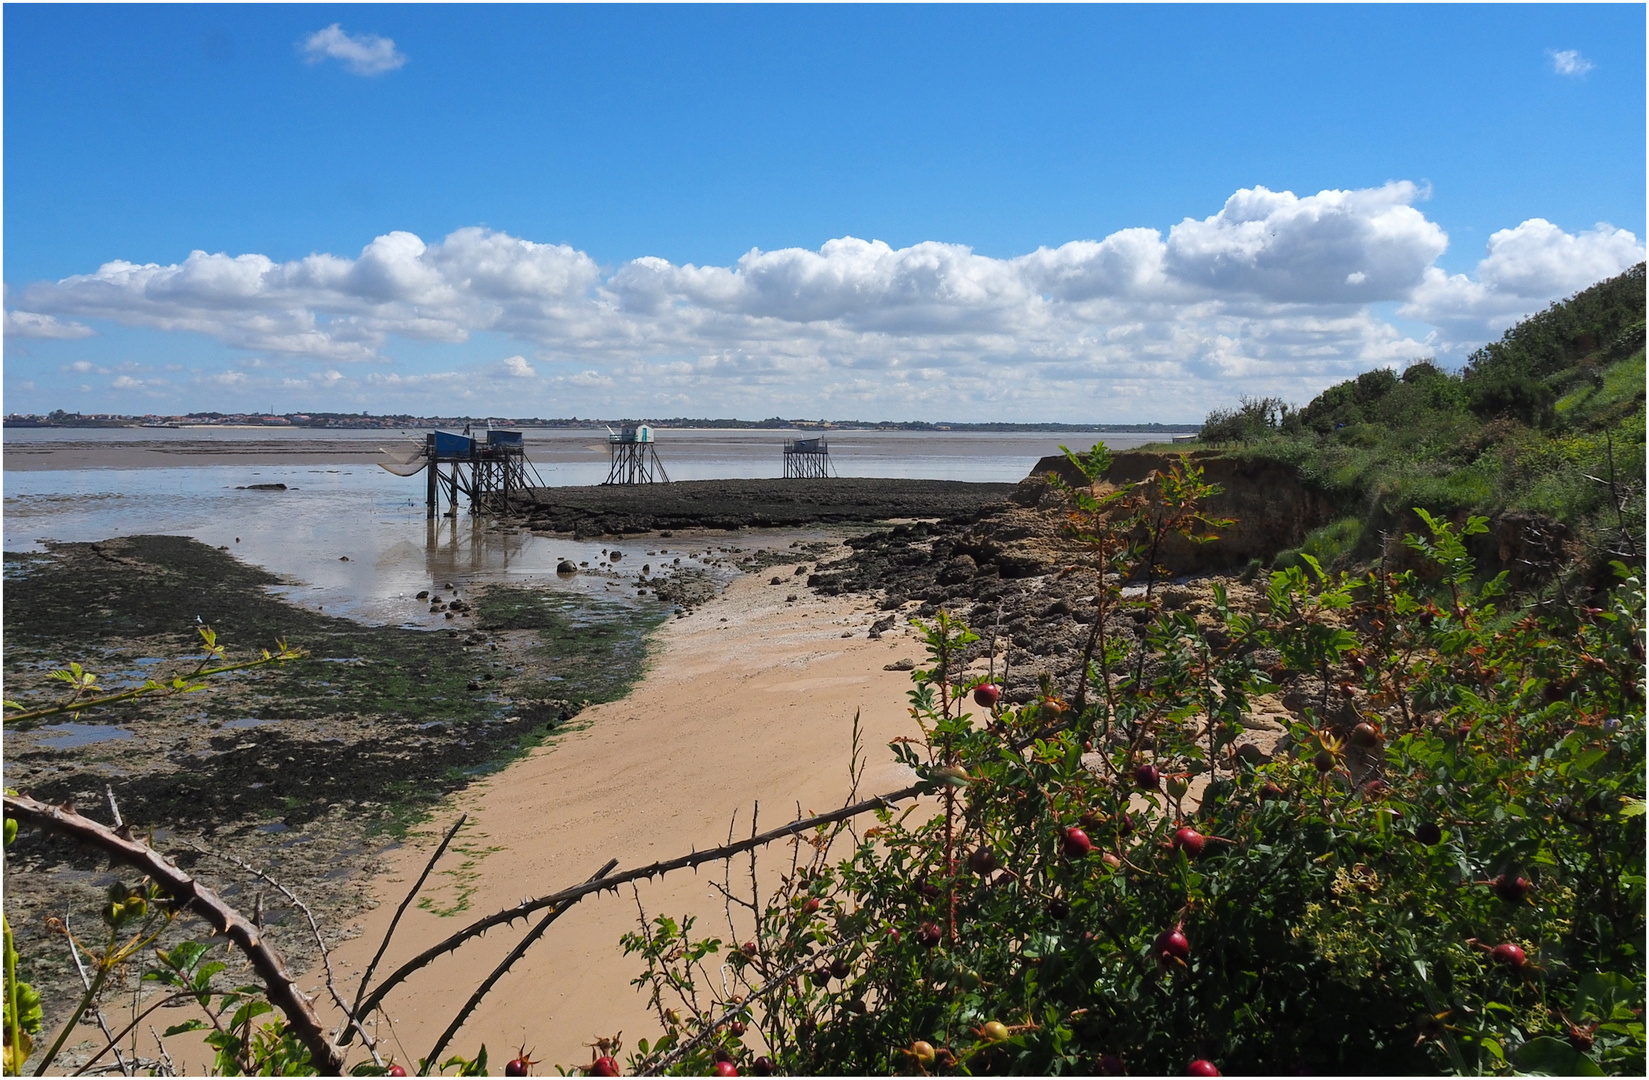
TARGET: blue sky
(663,197)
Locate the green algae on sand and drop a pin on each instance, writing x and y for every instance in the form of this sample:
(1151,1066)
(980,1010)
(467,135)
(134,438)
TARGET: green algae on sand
(306,769)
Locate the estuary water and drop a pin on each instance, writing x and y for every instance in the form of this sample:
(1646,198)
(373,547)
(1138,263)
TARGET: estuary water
(352,539)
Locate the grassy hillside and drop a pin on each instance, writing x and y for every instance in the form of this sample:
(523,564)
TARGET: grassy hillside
(1539,422)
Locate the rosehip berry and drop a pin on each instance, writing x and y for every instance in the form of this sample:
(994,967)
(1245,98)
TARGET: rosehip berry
(1510,955)
(1172,945)
(1077,844)
(1511,888)
(1190,841)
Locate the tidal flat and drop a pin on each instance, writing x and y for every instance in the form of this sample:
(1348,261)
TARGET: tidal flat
(308,769)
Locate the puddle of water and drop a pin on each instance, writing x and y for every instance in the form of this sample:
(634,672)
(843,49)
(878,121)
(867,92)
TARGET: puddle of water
(70,736)
(248,722)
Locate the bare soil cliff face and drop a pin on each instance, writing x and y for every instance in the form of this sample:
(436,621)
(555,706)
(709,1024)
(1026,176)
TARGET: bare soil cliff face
(1269,506)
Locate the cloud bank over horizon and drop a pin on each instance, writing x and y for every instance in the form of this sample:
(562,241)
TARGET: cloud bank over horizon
(1273,294)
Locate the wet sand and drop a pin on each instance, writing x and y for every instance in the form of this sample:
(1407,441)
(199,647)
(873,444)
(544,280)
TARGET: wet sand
(759,707)
(139,453)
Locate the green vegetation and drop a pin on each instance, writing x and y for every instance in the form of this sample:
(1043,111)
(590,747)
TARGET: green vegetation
(1440,869)
(587,649)
(1548,421)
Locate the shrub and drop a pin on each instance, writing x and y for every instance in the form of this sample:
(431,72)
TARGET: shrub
(1442,871)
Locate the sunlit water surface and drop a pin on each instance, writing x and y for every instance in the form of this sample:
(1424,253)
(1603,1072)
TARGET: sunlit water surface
(353,539)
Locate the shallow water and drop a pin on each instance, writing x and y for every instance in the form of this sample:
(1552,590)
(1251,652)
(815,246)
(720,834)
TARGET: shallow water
(354,539)
(71,735)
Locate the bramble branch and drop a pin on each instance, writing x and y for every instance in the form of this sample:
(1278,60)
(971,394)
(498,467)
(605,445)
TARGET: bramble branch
(697,858)
(187,892)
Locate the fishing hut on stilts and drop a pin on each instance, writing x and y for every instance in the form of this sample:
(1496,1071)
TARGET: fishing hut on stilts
(485,468)
(634,457)
(807,459)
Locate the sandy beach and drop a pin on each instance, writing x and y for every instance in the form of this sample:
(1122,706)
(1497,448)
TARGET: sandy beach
(757,707)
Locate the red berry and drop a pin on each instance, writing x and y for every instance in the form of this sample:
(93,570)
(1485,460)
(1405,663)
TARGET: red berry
(1110,1065)
(1269,791)
(1509,955)
(1058,909)
(810,906)
(395,1070)
(1428,833)
(982,861)
(1077,844)
(929,936)
(762,1066)
(726,1068)
(1147,777)
(1365,736)
(1172,945)
(821,976)
(1201,1067)
(520,1065)
(840,969)
(750,948)
(1190,841)
(1511,888)
(987,695)
(604,1066)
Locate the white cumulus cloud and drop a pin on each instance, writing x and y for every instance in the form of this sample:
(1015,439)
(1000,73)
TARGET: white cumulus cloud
(1526,268)
(1274,293)
(30,324)
(516,367)
(1569,62)
(362,54)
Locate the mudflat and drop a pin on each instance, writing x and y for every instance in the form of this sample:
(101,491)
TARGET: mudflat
(732,504)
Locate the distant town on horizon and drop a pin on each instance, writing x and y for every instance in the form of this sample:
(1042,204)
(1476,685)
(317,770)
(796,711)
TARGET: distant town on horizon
(60,419)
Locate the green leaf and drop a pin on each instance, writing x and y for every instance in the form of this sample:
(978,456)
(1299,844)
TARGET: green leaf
(1548,1056)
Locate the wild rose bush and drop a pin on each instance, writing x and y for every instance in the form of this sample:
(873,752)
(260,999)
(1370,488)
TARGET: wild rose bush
(1442,869)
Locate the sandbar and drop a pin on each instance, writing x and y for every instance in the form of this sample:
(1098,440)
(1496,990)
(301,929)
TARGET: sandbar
(759,707)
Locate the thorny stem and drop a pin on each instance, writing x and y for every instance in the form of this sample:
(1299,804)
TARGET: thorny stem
(498,972)
(73,1019)
(683,862)
(163,1002)
(396,921)
(85,980)
(315,929)
(187,892)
